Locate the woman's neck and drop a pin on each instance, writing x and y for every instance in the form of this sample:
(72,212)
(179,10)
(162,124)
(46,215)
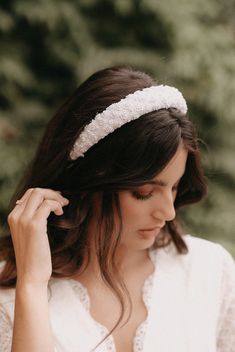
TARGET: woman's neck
(127,261)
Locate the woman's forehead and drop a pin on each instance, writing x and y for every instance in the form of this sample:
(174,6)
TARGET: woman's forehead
(173,171)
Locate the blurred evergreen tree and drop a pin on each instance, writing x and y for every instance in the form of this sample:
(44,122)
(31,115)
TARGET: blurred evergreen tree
(48,47)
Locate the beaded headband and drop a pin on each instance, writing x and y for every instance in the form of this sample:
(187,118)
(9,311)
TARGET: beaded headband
(127,109)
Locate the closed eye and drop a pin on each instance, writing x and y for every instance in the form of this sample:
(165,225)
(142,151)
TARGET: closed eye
(145,196)
(141,196)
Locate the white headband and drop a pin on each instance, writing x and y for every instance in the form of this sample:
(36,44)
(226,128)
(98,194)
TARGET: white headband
(127,109)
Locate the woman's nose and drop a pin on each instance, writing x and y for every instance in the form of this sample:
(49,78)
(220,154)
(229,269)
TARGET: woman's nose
(164,208)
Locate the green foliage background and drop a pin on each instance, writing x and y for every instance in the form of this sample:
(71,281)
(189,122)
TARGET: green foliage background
(48,47)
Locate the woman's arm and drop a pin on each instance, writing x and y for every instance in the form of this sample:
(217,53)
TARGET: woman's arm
(32,331)
(28,225)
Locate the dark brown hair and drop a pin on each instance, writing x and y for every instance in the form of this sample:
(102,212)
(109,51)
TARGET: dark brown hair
(126,158)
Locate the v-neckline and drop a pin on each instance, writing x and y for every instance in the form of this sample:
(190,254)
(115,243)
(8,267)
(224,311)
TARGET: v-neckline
(140,332)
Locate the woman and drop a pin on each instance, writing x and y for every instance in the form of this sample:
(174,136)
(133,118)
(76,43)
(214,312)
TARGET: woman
(100,259)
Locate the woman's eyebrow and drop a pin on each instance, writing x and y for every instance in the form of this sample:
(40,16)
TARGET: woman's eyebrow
(157,183)
(160,182)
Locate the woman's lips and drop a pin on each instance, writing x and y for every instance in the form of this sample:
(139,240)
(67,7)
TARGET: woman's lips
(150,232)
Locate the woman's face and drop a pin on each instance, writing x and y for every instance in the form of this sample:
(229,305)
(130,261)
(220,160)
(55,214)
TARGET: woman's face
(146,209)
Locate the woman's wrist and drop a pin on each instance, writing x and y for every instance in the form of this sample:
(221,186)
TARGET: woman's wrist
(29,286)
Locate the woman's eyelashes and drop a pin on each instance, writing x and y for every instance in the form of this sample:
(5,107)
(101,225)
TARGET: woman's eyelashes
(144,195)
(141,196)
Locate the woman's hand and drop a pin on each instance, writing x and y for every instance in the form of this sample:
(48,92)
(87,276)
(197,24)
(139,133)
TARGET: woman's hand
(28,225)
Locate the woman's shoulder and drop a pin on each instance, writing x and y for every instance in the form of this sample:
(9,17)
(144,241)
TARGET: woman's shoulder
(207,249)
(208,259)
(207,268)
(196,245)
(204,257)
(213,266)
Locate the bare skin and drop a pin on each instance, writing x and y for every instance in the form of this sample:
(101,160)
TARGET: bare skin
(103,300)
(28,221)
(133,260)
(143,221)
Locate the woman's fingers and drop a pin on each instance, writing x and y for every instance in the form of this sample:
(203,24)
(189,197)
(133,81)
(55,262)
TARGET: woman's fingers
(46,208)
(33,199)
(26,194)
(38,196)
(28,225)
(25,211)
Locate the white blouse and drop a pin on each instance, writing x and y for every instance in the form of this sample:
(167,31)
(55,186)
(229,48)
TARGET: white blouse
(190,301)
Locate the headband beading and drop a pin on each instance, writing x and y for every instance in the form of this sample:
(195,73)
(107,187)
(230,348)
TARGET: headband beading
(127,109)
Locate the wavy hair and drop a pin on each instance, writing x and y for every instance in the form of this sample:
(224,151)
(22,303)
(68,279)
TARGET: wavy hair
(129,157)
